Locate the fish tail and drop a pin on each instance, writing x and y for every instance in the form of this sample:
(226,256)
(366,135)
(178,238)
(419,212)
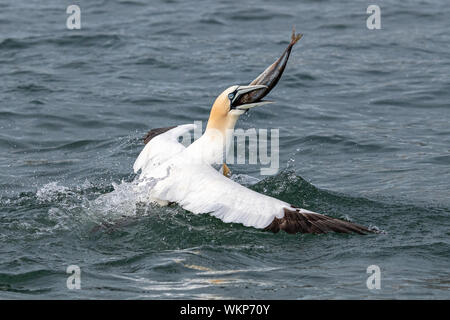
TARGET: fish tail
(295,37)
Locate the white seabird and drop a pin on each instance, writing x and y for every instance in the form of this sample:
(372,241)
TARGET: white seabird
(174,173)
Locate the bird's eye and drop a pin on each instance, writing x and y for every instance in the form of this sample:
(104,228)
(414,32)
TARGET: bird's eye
(231,96)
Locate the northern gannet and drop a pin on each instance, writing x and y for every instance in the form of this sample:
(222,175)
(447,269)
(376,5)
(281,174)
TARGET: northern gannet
(186,175)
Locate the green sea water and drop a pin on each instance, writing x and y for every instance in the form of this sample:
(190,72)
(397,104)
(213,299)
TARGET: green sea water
(364,122)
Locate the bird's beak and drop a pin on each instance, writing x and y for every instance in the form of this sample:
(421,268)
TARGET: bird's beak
(243,91)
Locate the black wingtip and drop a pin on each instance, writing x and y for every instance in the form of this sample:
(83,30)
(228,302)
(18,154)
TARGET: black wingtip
(296,220)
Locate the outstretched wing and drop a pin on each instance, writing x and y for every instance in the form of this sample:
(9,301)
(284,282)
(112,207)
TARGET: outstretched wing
(161,144)
(201,189)
(300,220)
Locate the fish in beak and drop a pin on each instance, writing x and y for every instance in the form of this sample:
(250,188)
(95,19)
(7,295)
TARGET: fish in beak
(236,97)
(268,79)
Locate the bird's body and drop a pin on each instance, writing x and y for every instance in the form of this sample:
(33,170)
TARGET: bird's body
(187,176)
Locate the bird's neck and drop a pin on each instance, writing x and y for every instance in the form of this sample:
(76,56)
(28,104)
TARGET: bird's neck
(211,147)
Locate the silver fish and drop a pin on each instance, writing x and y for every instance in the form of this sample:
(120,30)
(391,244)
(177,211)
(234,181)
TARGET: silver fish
(272,74)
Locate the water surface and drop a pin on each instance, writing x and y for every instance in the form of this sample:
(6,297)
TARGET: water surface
(364,135)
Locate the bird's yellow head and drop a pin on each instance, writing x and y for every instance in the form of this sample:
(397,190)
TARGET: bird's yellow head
(228,106)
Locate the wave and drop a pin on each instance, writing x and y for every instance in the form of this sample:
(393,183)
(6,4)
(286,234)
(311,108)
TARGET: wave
(108,208)
(110,218)
(95,210)
(104,40)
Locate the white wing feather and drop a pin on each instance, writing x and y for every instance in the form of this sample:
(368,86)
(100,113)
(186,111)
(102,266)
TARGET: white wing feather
(199,188)
(161,148)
